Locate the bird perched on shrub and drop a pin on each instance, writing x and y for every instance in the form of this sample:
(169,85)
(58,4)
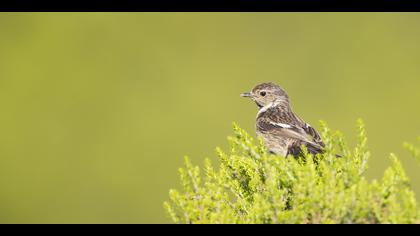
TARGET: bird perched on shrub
(282,131)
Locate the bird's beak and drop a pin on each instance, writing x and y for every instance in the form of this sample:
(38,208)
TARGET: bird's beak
(246,95)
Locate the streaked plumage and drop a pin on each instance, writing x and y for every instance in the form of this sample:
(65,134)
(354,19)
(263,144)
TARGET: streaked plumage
(282,130)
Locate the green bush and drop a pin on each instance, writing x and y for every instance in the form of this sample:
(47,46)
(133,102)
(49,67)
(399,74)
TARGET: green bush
(252,186)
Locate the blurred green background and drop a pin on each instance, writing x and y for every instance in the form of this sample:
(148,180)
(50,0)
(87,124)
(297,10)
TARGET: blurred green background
(98,109)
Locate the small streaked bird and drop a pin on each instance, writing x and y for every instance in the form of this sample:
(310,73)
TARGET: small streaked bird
(282,131)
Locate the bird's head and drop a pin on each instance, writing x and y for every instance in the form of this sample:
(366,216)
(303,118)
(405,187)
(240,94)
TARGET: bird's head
(266,93)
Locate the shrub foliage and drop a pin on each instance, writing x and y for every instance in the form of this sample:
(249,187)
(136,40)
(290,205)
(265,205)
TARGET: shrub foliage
(253,186)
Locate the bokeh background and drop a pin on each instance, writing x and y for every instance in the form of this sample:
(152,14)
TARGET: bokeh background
(98,109)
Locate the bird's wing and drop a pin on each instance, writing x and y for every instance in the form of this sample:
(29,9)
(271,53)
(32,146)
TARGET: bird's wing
(284,130)
(315,135)
(295,135)
(310,131)
(287,124)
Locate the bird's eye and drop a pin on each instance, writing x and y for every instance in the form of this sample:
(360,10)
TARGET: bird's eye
(263,93)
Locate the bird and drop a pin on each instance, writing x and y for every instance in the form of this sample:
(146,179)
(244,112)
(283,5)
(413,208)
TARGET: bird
(283,132)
